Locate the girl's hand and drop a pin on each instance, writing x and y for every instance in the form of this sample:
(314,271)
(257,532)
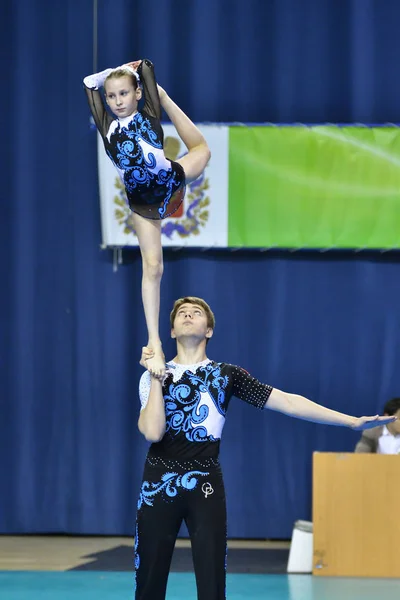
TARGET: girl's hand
(134,64)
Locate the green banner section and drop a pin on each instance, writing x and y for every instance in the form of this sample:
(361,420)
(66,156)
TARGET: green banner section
(314,187)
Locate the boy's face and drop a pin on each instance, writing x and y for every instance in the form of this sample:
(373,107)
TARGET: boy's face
(121,96)
(191,321)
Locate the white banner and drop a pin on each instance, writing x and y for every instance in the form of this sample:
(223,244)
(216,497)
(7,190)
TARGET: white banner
(202,219)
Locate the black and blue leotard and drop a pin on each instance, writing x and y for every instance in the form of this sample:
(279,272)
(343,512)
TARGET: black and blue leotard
(154,185)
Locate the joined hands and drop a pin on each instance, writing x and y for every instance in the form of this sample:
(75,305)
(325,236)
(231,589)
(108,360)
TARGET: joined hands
(156,366)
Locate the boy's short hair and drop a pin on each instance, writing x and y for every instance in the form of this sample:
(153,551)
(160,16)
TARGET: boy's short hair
(193,300)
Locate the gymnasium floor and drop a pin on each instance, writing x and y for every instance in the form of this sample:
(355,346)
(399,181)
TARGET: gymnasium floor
(68,568)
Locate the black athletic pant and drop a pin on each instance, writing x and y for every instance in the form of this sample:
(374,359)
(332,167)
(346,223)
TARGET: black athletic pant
(173,491)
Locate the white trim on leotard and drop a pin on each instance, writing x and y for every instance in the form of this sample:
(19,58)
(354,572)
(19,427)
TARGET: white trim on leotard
(176,369)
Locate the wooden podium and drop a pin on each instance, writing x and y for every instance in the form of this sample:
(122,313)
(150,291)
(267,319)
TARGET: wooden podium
(356,515)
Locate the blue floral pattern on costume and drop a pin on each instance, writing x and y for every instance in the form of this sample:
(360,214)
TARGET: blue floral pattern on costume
(182,401)
(139,127)
(125,150)
(170,484)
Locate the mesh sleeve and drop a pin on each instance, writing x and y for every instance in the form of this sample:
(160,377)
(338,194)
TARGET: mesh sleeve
(249,389)
(144,389)
(100,115)
(148,80)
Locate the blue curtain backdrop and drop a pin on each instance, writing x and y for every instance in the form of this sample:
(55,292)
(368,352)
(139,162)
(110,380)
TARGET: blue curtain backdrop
(323,325)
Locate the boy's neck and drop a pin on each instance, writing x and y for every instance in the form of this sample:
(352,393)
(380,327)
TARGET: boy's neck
(190,355)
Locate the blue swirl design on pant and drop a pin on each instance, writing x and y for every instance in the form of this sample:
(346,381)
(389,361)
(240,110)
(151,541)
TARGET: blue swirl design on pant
(170,484)
(137,557)
(182,409)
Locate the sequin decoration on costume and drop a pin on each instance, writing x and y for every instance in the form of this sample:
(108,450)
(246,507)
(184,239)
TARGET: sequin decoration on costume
(170,484)
(186,406)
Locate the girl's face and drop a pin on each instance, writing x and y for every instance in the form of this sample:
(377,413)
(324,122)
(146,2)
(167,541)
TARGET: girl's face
(121,96)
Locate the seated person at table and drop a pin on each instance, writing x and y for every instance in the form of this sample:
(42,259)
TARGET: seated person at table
(386,439)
